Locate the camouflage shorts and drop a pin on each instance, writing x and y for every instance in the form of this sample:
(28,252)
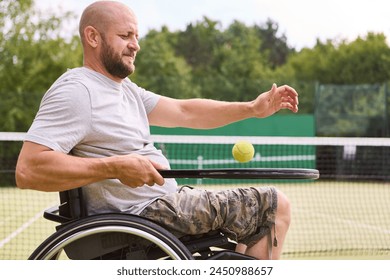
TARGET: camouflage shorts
(244,214)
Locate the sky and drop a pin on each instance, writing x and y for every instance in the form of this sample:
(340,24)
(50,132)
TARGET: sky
(302,21)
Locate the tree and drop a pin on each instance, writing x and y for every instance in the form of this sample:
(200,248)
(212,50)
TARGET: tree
(365,60)
(198,43)
(272,44)
(32,55)
(159,68)
(226,64)
(362,61)
(244,68)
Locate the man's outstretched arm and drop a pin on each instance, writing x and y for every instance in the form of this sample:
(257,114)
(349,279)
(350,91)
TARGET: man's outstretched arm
(206,114)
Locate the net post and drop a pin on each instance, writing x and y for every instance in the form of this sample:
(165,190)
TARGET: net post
(200,166)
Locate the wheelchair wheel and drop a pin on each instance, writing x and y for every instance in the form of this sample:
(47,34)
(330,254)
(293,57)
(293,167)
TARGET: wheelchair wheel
(112,236)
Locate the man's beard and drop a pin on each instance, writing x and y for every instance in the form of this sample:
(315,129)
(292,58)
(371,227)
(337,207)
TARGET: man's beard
(113,62)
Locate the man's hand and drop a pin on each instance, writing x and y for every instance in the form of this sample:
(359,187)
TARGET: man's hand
(135,170)
(270,102)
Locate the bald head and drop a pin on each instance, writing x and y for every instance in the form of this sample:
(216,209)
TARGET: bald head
(102,14)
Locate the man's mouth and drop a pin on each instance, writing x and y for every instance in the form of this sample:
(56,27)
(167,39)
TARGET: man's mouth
(130,58)
(131,55)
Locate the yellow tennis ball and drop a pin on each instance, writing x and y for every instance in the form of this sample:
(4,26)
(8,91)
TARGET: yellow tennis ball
(243,151)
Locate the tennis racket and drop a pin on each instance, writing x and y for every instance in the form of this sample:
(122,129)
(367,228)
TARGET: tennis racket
(243,173)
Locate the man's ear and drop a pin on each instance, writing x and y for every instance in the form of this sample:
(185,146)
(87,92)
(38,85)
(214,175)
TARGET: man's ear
(91,36)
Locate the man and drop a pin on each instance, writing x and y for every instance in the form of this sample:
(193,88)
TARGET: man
(92,130)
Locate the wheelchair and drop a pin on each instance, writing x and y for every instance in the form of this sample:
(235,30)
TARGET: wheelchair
(115,236)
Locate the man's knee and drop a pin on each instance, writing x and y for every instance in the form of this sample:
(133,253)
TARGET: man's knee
(284,208)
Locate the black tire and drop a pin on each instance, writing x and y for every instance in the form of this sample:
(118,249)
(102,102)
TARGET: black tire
(52,247)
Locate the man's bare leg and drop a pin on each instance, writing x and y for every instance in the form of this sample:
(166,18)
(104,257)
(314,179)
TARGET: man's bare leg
(261,249)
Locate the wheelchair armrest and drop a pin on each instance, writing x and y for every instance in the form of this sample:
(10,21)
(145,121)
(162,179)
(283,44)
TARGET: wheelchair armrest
(52,214)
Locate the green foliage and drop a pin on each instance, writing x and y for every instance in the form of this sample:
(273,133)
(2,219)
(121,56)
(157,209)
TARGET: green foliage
(159,69)
(363,61)
(199,43)
(241,64)
(32,54)
(272,44)
(351,110)
(203,60)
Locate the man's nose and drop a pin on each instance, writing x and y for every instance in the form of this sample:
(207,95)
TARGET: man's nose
(134,45)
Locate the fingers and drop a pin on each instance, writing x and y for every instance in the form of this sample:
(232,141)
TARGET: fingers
(152,176)
(136,171)
(289,98)
(289,89)
(159,180)
(277,98)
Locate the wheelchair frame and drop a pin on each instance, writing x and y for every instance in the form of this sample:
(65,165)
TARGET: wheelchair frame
(122,236)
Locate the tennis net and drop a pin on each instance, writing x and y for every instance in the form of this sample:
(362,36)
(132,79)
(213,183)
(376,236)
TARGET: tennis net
(344,214)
